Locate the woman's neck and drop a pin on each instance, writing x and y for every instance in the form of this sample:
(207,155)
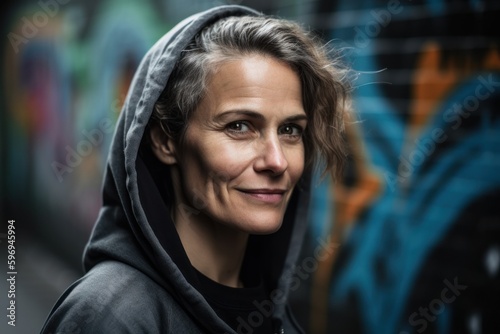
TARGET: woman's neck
(215,250)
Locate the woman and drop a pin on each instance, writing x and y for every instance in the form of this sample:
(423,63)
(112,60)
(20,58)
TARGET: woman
(206,190)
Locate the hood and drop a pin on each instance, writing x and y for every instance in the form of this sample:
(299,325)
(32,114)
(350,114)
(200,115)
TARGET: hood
(134,225)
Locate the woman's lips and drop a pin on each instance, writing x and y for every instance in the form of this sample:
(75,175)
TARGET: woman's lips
(271,196)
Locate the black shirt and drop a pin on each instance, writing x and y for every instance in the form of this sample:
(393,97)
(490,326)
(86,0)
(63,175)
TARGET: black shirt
(246,310)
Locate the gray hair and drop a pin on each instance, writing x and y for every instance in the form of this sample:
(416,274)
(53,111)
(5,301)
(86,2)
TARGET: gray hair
(325,89)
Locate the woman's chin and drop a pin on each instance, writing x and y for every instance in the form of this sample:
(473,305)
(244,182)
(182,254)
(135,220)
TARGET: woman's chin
(263,227)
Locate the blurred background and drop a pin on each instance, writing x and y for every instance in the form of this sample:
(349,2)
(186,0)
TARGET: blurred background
(407,242)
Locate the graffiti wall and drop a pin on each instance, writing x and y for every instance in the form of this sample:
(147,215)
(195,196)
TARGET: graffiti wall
(66,71)
(407,242)
(414,226)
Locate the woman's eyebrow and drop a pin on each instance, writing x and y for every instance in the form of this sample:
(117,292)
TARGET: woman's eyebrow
(244,112)
(256,115)
(296,118)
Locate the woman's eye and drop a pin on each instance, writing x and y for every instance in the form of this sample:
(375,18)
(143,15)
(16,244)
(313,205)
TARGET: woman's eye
(238,126)
(290,130)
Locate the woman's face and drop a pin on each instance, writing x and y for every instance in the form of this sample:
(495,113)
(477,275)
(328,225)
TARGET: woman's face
(243,150)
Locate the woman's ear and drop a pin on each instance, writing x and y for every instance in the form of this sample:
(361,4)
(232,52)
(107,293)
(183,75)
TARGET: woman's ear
(162,146)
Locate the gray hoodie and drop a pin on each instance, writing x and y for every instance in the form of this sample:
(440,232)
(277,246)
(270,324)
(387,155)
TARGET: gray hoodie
(138,277)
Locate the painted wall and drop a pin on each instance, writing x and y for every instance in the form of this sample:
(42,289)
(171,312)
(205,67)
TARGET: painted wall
(414,227)
(407,242)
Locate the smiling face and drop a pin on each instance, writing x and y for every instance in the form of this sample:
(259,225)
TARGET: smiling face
(243,151)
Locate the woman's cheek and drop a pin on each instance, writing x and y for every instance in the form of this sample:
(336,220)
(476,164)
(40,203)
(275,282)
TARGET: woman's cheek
(296,162)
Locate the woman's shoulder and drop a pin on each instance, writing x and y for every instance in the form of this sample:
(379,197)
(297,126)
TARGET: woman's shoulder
(114,297)
(117,283)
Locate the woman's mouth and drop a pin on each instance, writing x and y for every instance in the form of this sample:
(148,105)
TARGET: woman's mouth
(266,195)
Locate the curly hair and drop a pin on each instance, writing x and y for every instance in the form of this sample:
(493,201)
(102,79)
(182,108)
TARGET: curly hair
(325,88)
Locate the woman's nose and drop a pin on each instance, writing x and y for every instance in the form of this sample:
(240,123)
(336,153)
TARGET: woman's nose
(271,157)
